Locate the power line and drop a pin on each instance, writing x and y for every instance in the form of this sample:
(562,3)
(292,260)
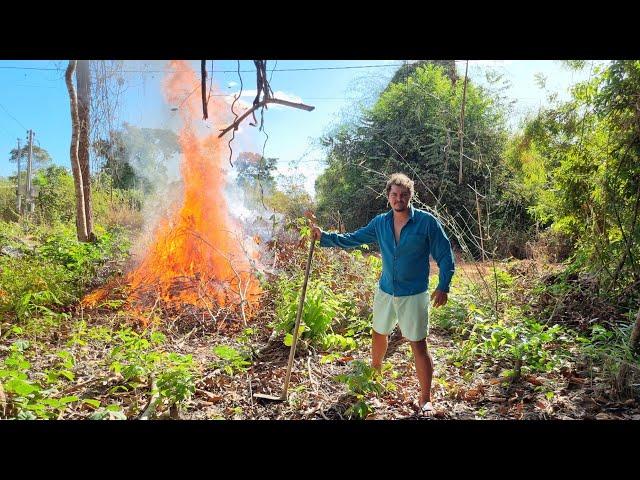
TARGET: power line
(18,121)
(31,68)
(306,98)
(33,85)
(308,69)
(6,133)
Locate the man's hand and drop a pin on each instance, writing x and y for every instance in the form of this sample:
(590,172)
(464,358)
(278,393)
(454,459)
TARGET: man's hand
(316,233)
(439,298)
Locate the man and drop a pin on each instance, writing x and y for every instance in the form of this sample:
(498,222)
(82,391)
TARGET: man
(406,237)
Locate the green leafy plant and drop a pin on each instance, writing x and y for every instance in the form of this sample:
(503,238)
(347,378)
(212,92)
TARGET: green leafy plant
(139,359)
(362,381)
(176,380)
(63,369)
(110,412)
(334,341)
(54,271)
(136,357)
(27,399)
(231,361)
(320,308)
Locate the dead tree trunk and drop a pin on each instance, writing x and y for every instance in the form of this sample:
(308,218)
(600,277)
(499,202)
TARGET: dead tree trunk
(84,91)
(81,220)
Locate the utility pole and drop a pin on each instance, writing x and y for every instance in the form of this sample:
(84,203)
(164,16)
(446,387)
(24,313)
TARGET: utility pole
(18,195)
(29,193)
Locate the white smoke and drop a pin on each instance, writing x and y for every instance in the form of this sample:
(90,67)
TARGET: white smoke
(259,224)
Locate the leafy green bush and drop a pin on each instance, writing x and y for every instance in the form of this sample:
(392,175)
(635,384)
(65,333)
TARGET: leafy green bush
(138,357)
(54,271)
(29,286)
(27,399)
(176,380)
(320,308)
(231,361)
(8,207)
(55,203)
(609,348)
(362,381)
(520,344)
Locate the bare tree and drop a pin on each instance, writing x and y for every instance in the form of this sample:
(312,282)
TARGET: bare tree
(81,225)
(83,80)
(107,87)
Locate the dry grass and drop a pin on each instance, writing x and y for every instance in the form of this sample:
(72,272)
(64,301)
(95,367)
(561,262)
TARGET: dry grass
(123,215)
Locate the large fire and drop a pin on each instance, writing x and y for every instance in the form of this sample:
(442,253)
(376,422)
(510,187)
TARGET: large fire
(199,255)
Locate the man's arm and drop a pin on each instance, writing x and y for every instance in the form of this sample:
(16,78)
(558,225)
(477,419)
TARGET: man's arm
(442,254)
(366,234)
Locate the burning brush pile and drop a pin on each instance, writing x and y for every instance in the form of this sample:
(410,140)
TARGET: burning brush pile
(198,257)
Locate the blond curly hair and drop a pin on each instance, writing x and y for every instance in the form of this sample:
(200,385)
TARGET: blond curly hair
(401,180)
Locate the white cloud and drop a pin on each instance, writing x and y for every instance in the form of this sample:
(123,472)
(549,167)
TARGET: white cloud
(242,105)
(287,96)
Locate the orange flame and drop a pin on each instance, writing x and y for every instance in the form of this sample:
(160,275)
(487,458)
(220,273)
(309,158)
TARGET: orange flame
(197,256)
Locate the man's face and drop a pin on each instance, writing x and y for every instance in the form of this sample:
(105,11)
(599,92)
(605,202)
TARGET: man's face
(399,198)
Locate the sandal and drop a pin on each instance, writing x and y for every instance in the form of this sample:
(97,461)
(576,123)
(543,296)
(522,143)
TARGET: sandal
(427,410)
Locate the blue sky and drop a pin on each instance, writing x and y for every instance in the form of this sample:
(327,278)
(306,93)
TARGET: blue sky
(33,95)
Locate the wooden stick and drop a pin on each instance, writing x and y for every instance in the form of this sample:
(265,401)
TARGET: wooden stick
(151,406)
(292,352)
(313,383)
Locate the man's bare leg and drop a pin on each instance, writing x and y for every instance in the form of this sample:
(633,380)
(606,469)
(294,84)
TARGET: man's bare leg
(424,370)
(379,345)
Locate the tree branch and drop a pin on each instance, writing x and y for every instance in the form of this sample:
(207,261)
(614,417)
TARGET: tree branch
(203,88)
(461,133)
(301,106)
(261,104)
(150,410)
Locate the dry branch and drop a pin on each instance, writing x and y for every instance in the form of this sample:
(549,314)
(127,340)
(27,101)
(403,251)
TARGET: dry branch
(153,401)
(261,104)
(203,88)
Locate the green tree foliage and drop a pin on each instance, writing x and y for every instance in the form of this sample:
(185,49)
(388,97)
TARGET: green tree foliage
(285,195)
(414,128)
(576,169)
(55,202)
(8,211)
(255,176)
(405,71)
(291,198)
(39,157)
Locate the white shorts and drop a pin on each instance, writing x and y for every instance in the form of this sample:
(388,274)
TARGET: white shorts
(411,313)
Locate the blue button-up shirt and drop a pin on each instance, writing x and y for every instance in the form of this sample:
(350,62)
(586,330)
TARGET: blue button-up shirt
(405,265)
